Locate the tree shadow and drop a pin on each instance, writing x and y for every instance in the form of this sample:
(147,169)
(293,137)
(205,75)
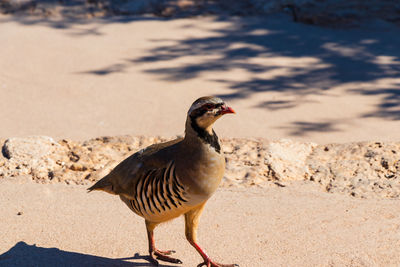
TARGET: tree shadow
(302,128)
(22,254)
(389,107)
(277,55)
(324,56)
(277,104)
(75,24)
(292,59)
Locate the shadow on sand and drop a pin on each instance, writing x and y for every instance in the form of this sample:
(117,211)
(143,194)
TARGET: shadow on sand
(23,254)
(279,56)
(76,23)
(288,58)
(317,60)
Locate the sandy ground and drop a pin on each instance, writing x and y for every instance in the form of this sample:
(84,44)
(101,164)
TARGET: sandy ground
(135,76)
(139,76)
(294,226)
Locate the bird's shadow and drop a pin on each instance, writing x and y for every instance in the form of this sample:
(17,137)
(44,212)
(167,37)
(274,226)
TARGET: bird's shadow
(22,254)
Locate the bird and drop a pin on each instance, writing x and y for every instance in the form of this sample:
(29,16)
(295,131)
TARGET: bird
(166,180)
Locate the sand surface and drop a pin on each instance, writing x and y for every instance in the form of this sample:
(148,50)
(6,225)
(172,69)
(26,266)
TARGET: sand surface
(134,76)
(139,76)
(62,225)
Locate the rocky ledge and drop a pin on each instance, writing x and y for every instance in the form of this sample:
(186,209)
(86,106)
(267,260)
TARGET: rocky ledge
(363,169)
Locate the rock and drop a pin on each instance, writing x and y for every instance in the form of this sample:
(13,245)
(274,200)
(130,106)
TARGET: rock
(2,162)
(24,149)
(362,170)
(332,12)
(34,155)
(78,167)
(286,159)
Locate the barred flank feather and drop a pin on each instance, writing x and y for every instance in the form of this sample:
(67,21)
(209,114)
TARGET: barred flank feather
(157,192)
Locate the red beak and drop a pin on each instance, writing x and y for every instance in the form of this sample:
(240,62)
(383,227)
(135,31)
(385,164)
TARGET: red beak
(226,110)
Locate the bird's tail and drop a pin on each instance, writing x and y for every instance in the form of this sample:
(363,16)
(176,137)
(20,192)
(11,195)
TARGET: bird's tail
(103,184)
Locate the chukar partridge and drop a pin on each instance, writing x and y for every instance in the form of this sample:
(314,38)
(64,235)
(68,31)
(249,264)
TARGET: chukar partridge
(166,180)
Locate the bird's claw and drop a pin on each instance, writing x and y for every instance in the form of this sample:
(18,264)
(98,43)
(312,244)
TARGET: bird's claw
(209,263)
(165,252)
(163,256)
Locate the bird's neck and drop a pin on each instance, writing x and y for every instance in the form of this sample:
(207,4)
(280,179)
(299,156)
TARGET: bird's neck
(193,132)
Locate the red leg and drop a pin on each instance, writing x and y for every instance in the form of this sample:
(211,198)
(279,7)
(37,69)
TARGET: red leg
(156,254)
(191,223)
(207,261)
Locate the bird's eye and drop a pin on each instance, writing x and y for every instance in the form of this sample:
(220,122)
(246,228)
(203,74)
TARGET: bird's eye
(209,106)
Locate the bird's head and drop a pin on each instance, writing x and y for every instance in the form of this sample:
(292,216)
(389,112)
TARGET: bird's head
(206,110)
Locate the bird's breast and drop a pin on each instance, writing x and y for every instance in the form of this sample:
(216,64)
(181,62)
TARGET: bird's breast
(201,176)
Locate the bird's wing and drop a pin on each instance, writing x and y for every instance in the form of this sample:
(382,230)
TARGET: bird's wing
(123,178)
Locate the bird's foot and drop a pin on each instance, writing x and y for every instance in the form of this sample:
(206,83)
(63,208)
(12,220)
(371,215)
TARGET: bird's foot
(210,263)
(165,252)
(163,256)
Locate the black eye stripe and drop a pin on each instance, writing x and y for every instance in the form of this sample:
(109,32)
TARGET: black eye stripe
(212,106)
(203,109)
(197,113)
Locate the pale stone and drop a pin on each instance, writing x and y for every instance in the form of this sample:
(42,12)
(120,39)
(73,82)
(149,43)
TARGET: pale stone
(287,158)
(34,155)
